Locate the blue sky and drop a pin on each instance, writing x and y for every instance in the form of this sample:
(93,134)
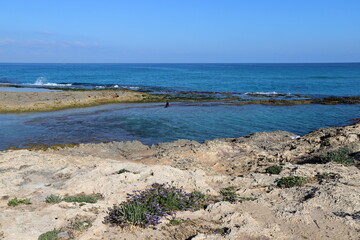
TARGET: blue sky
(180,31)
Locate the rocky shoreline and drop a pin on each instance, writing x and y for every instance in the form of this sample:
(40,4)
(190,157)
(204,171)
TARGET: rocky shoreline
(324,206)
(15,102)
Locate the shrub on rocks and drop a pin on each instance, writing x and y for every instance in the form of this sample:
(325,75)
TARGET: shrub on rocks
(50,235)
(276,169)
(146,208)
(291,181)
(341,155)
(81,198)
(53,199)
(14,202)
(229,194)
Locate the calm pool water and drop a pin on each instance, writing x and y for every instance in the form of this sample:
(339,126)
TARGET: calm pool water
(152,123)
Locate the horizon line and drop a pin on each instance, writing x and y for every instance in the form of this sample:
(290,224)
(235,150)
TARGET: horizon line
(178,62)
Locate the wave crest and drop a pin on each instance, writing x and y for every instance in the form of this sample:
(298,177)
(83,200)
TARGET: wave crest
(42,81)
(262,93)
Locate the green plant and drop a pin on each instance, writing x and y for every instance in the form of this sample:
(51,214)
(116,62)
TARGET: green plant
(78,224)
(81,225)
(50,235)
(243,199)
(122,171)
(291,181)
(175,221)
(229,194)
(341,155)
(145,208)
(222,231)
(276,169)
(80,199)
(14,202)
(77,198)
(53,199)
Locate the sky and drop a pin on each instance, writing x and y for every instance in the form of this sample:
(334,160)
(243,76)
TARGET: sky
(179,31)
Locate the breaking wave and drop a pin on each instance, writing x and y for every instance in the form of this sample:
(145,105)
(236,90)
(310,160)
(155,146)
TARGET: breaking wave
(42,81)
(264,93)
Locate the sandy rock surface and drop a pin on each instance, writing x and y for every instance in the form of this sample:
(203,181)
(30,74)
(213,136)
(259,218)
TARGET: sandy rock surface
(47,101)
(230,156)
(326,209)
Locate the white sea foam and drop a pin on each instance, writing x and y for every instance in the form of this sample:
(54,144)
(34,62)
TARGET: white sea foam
(42,81)
(117,86)
(127,87)
(266,93)
(262,93)
(132,88)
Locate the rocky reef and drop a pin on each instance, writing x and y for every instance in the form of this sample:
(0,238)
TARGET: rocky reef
(270,185)
(14,102)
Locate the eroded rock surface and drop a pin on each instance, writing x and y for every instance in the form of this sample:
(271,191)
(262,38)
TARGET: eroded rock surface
(230,155)
(323,208)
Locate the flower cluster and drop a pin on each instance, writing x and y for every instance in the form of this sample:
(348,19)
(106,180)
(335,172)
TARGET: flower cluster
(146,208)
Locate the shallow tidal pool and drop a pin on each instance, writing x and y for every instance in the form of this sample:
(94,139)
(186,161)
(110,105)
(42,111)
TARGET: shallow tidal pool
(152,123)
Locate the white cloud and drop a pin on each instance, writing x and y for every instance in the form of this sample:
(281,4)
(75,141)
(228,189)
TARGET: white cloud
(6,41)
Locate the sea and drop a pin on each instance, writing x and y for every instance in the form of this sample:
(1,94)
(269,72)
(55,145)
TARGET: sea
(151,123)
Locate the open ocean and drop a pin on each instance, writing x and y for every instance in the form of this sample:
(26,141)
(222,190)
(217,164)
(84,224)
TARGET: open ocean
(152,123)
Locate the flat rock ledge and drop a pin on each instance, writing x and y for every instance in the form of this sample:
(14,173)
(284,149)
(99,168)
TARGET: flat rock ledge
(50,101)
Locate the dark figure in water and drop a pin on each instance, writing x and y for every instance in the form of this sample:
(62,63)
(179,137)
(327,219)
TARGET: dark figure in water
(167,104)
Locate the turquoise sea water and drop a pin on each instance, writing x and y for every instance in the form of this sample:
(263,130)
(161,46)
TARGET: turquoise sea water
(152,123)
(317,79)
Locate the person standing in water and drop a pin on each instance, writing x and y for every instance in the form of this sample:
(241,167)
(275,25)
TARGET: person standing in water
(167,104)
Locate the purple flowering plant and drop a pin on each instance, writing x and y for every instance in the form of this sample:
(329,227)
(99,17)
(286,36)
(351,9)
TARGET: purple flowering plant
(146,208)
